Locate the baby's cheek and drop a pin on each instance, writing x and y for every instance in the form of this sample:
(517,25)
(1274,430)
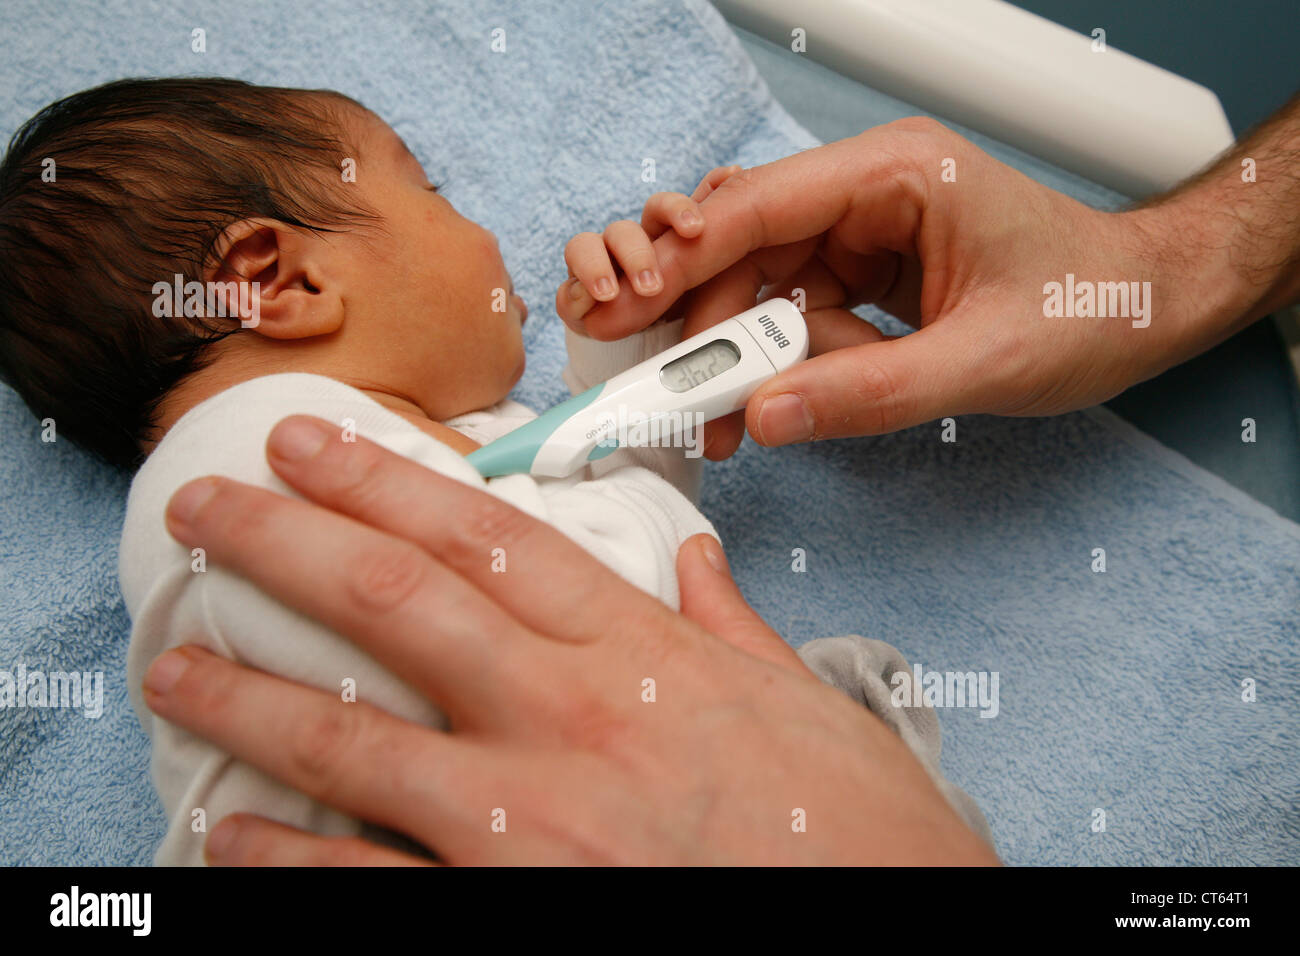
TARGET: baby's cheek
(518,373)
(510,354)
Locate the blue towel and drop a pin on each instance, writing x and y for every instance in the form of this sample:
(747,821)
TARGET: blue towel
(1118,691)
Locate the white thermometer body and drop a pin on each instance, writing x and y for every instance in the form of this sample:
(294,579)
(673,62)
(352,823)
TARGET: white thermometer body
(705,377)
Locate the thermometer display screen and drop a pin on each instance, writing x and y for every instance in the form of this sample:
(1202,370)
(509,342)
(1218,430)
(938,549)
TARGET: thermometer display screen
(696,368)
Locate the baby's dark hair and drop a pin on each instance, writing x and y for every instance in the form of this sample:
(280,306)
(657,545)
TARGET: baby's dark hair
(111,190)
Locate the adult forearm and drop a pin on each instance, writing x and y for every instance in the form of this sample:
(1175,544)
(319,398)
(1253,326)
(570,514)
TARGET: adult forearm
(1233,231)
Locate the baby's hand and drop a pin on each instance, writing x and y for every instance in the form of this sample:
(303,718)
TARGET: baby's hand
(595,261)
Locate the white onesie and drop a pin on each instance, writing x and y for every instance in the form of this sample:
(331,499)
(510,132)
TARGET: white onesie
(632,510)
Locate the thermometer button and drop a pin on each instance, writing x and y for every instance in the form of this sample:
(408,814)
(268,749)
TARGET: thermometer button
(779,329)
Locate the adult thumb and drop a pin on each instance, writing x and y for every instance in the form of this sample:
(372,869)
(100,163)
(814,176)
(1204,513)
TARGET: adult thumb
(711,599)
(868,389)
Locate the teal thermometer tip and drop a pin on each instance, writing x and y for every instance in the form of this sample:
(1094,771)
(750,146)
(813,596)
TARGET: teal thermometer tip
(514,452)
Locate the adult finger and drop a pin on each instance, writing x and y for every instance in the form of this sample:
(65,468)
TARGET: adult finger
(828,330)
(711,599)
(723,436)
(537,574)
(832,329)
(332,751)
(410,612)
(870,389)
(246,840)
(866,187)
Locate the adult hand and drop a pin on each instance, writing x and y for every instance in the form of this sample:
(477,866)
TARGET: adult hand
(914,218)
(542,671)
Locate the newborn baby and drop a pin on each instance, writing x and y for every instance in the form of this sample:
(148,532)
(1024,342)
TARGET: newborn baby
(189,261)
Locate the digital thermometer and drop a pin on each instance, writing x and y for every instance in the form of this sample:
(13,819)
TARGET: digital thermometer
(712,374)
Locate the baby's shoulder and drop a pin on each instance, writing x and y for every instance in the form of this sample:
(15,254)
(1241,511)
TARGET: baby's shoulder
(226,435)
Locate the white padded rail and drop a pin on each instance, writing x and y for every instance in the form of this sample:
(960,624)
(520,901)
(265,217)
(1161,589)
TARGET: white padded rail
(986,64)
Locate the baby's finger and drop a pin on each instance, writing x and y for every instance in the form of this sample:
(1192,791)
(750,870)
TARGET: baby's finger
(664,211)
(587,259)
(572,302)
(712,180)
(636,255)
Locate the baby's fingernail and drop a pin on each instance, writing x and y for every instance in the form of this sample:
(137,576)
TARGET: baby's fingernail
(576,289)
(690,218)
(647,282)
(784,419)
(605,287)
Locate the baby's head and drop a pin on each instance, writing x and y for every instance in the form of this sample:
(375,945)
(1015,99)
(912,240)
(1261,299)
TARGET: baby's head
(366,274)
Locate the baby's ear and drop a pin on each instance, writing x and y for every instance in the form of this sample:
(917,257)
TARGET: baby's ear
(279,280)
(244,251)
